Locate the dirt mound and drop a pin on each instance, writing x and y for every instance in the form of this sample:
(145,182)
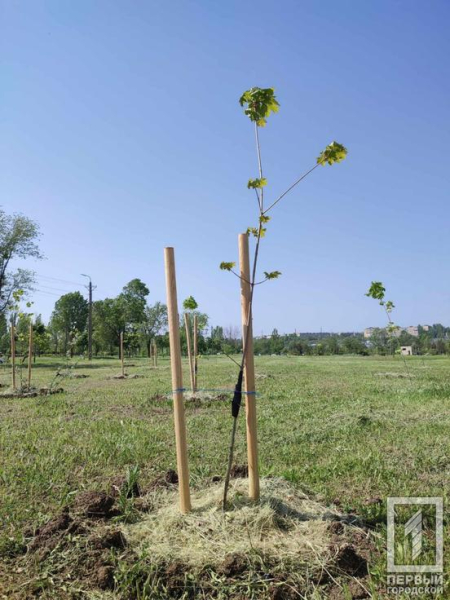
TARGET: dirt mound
(46,391)
(350,562)
(96,505)
(113,538)
(119,484)
(166,480)
(234,564)
(239,471)
(48,534)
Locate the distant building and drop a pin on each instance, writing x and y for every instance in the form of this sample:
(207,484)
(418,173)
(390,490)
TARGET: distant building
(397,332)
(426,327)
(406,350)
(413,330)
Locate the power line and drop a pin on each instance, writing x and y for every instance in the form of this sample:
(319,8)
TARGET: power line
(78,284)
(48,287)
(36,291)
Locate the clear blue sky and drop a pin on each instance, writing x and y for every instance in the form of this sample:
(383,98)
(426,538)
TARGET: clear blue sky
(122,134)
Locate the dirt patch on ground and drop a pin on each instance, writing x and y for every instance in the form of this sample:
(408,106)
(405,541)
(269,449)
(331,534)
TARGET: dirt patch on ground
(112,538)
(203,398)
(166,480)
(239,471)
(120,485)
(31,392)
(234,564)
(48,536)
(81,548)
(95,505)
(350,562)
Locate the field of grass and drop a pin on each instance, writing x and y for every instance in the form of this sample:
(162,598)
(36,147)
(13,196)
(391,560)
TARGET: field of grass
(348,431)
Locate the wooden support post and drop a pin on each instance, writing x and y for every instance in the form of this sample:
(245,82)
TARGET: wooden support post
(177,381)
(195,351)
(155,355)
(187,322)
(13,355)
(121,354)
(30,353)
(249,368)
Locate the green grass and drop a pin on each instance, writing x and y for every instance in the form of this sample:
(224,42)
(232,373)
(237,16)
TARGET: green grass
(345,429)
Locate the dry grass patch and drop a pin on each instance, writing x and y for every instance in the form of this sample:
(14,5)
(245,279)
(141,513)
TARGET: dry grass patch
(286,524)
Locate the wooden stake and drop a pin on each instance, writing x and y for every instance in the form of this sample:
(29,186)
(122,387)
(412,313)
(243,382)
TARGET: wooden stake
(30,353)
(121,354)
(249,369)
(195,351)
(187,322)
(177,381)
(13,355)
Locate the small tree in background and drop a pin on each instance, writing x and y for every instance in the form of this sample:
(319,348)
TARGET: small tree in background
(190,305)
(154,324)
(377,291)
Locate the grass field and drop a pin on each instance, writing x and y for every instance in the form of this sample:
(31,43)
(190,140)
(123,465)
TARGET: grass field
(348,431)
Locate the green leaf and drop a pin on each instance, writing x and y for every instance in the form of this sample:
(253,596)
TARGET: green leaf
(255,231)
(392,328)
(227,266)
(190,303)
(264,219)
(272,274)
(256,183)
(259,103)
(389,306)
(333,153)
(377,291)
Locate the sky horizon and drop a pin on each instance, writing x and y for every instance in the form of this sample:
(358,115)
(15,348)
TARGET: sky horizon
(121,134)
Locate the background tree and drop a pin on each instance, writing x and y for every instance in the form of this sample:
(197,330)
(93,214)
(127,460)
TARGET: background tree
(108,321)
(18,236)
(125,313)
(154,323)
(134,300)
(41,337)
(69,318)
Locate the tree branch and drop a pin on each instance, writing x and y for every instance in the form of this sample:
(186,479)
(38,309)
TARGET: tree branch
(290,188)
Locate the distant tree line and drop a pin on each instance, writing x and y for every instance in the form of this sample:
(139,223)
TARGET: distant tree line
(143,323)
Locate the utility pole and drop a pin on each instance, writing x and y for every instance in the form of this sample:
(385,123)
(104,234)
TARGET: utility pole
(90,287)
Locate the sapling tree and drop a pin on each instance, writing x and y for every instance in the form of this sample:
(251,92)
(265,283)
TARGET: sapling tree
(21,323)
(190,305)
(259,104)
(377,291)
